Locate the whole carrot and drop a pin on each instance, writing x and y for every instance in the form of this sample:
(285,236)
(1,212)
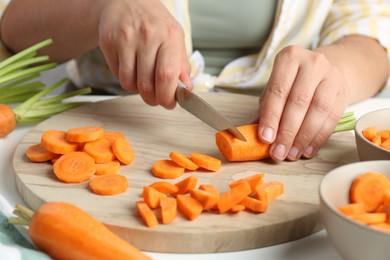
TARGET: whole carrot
(64,231)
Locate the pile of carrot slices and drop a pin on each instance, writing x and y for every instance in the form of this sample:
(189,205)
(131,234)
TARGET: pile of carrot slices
(369,197)
(378,137)
(162,200)
(86,153)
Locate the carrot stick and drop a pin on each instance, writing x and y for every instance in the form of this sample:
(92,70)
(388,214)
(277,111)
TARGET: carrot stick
(123,151)
(186,185)
(253,180)
(167,169)
(369,218)
(38,153)
(110,184)
(100,150)
(168,209)
(236,150)
(254,205)
(74,167)
(268,191)
(209,188)
(369,188)
(233,196)
(65,231)
(152,197)
(369,132)
(183,161)
(7,120)
(190,207)
(55,142)
(206,162)
(207,199)
(165,187)
(107,168)
(84,134)
(352,208)
(146,214)
(237,208)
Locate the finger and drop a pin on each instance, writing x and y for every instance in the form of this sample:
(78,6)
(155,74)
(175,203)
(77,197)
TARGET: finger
(128,70)
(276,93)
(111,57)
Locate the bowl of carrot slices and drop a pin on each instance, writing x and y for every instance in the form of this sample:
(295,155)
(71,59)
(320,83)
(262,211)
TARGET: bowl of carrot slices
(355,208)
(372,134)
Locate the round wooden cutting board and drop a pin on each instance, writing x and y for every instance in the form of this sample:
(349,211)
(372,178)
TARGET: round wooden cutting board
(154,132)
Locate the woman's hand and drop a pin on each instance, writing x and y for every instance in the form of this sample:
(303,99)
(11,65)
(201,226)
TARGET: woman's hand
(144,47)
(304,99)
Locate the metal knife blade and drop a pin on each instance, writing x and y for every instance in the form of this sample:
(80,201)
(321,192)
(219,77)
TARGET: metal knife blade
(202,110)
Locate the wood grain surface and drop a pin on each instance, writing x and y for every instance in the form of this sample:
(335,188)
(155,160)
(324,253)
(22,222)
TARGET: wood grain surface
(153,133)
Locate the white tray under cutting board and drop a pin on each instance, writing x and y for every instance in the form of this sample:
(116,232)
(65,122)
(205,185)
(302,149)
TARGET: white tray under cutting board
(154,132)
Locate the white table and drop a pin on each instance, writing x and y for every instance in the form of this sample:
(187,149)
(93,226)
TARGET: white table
(316,246)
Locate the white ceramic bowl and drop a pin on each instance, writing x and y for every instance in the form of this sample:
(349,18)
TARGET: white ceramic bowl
(367,150)
(352,240)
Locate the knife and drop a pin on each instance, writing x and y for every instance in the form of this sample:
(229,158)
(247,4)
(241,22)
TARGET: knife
(202,110)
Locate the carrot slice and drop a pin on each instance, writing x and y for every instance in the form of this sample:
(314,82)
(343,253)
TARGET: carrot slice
(352,208)
(100,150)
(254,205)
(234,149)
(168,209)
(110,184)
(55,142)
(206,162)
(383,134)
(7,120)
(146,214)
(107,168)
(112,136)
(369,132)
(208,199)
(38,153)
(377,140)
(233,196)
(167,169)
(369,218)
(165,187)
(268,191)
(186,185)
(253,180)
(386,144)
(74,167)
(369,188)
(84,134)
(190,207)
(152,196)
(183,161)
(123,151)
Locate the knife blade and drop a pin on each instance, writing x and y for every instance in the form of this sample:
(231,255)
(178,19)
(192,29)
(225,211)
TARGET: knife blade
(205,112)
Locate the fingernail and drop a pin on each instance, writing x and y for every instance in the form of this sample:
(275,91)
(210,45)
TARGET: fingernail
(267,134)
(279,151)
(293,153)
(308,151)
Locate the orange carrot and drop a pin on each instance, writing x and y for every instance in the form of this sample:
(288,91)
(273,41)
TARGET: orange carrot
(233,196)
(369,218)
(84,134)
(377,140)
(369,132)
(190,207)
(236,150)
(65,231)
(38,153)
(183,161)
(55,142)
(254,205)
(268,191)
(386,144)
(369,188)
(383,134)
(168,209)
(186,185)
(146,214)
(107,168)
(109,184)
(100,150)
(74,167)
(352,208)
(237,208)
(209,188)
(123,151)
(253,180)
(207,199)
(206,162)
(152,197)
(165,187)
(112,136)
(167,169)
(7,120)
